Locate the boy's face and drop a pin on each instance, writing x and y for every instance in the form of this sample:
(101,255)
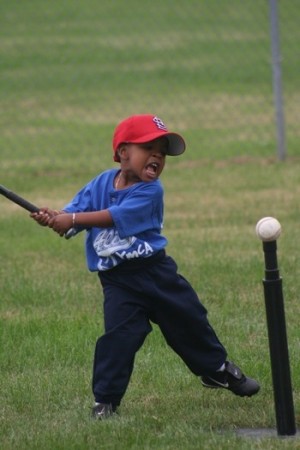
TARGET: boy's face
(144,162)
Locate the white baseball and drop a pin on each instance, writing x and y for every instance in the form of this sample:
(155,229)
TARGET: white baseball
(268,229)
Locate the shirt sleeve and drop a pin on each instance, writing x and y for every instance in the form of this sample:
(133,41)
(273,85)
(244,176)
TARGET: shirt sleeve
(140,211)
(81,202)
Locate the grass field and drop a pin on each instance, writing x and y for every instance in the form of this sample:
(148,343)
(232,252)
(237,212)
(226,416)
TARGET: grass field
(70,71)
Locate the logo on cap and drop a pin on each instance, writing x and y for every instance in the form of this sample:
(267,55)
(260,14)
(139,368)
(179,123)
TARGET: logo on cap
(159,123)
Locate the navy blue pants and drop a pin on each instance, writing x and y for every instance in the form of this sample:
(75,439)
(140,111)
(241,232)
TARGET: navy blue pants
(137,293)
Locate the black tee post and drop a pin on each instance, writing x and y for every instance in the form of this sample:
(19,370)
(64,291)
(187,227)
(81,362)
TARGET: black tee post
(278,346)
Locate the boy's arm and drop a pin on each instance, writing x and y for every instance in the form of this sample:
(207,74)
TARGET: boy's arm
(64,221)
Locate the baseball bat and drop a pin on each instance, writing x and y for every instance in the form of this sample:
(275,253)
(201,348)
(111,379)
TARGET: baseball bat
(28,206)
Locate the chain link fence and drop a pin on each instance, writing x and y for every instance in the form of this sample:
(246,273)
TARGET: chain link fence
(205,67)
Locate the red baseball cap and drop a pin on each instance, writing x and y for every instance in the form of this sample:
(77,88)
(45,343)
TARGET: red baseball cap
(144,128)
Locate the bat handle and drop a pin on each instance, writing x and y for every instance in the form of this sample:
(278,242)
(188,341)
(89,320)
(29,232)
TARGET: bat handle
(71,232)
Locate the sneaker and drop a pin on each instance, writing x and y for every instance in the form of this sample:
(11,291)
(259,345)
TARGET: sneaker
(102,411)
(232,379)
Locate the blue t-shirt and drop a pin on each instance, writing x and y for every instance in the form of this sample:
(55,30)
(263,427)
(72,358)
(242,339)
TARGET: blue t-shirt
(137,213)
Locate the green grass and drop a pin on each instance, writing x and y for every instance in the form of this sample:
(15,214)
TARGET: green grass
(69,72)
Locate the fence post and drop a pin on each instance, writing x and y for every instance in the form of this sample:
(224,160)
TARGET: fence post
(277,84)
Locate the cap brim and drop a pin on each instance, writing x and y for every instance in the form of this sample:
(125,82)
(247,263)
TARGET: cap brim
(176,142)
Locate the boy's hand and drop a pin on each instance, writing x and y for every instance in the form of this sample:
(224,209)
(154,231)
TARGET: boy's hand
(61,223)
(43,216)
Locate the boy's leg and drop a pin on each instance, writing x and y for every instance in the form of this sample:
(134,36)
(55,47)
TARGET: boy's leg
(184,324)
(183,320)
(190,335)
(126,327)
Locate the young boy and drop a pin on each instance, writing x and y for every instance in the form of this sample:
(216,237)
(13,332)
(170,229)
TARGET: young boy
(122,211)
